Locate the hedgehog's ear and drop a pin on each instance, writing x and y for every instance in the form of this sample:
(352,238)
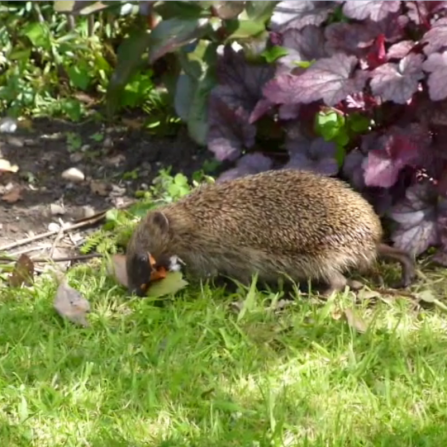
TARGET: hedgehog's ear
(160,220)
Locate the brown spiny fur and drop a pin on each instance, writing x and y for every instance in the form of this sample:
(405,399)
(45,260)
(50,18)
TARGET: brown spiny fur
(284,221)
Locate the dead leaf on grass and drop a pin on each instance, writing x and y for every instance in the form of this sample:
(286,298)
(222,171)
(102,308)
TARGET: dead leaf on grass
(70,304)
(117,268)
(13,196)
(6,166)
(23,273)
(355,321)
(134,124)
(427,296)
(99,188)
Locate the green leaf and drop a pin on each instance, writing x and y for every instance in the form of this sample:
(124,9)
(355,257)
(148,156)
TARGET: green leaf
(168,286)
(194,87)
(198,112)
(173,33)
(185,10)
(39,35)
(79,76)
(260,11)
(304,64)
(184,94)
(129,59)
(242,29)
(359,123)
(274,53)
(328,124)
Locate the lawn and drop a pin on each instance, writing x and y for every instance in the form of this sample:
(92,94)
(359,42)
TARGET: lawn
(194,373)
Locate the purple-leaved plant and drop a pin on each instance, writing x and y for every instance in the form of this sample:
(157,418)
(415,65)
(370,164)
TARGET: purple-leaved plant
(347,63)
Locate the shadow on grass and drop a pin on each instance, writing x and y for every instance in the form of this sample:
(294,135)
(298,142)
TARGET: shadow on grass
(191,374)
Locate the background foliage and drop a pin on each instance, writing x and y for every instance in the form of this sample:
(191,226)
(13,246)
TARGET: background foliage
(348,88)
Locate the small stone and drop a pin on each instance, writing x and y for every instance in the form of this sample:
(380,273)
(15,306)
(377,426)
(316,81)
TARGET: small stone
(53,226)
(85,148)
(88,211)
(56,209)
(76,157)
(15,142)
(73,175)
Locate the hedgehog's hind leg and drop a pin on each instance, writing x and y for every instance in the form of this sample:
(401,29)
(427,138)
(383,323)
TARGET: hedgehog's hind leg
(335,282)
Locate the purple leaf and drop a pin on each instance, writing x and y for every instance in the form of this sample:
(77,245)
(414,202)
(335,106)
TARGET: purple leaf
(398,82)
(245,80)
(436,65)
(352,38)
(420,12)
(261,108)
(416,216)
(298,14)
(400,50)
(307,42)
(247,165)
(375,10)
(234,102)
(352,169)
(229,128)
(328,79)
(289,111)
(318,155)
(436,38)
(399,148)
(441,256)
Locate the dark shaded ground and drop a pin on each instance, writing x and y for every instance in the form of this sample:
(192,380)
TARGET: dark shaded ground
(43,153)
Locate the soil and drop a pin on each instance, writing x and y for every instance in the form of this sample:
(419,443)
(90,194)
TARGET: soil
(44,150)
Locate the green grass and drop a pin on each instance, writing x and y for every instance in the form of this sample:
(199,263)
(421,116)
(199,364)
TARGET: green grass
(191,374)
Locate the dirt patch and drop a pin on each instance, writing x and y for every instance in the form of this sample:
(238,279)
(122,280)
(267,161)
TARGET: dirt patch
(115,163)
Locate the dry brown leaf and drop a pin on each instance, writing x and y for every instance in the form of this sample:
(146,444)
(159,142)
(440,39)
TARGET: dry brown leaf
(355,321)
(117,268)
(336,314)
(99,188)
(6,166)
(23,273)
(159,273)
(135,124)
(70,304)
(13,196)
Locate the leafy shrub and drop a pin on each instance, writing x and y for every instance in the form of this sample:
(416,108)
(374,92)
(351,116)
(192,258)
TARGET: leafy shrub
(350,88)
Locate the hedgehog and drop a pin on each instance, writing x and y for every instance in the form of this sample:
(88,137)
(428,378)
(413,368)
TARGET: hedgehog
(292,224)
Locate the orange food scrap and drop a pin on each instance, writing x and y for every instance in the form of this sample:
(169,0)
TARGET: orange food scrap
(157,273)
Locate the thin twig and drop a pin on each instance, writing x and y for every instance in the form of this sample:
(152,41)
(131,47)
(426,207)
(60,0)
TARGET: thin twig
(81,223)
(62,259)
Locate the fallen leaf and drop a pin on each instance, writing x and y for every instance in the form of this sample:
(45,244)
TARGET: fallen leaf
(336,314)
(428,297)
(6,166)
(171,284)
(157,273)
(99,188)
(70,304)
(13,196)
(368,294)
(117,268)
(23,273)
(134,124)
(355,321)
